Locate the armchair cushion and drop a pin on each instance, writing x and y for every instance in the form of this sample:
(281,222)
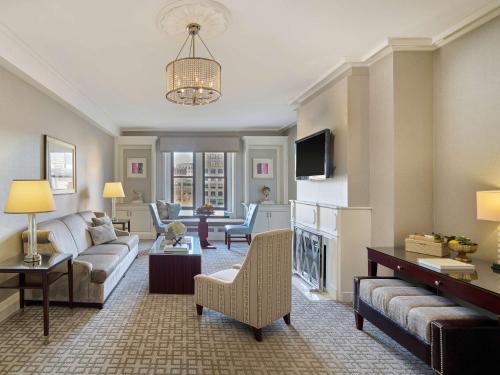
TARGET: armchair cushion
(237,229)
(225,275)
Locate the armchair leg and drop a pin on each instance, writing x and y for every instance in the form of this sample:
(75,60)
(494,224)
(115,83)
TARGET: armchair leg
(199,309)
(286,318)
(359,321)
(225,238)
(249,238)
(257,333)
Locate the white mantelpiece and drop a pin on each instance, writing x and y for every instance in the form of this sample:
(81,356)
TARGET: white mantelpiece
(346,233)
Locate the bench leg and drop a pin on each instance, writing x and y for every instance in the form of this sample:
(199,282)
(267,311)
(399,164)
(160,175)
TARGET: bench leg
(359,321)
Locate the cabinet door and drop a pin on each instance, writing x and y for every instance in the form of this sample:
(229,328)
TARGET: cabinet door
(279,220)
(140,221)
(122,214)
(261,222)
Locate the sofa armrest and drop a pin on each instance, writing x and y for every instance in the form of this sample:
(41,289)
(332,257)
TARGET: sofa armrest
(46,244)
(236,266)
(120,233)
(465,346)
(99,213)
(42,236)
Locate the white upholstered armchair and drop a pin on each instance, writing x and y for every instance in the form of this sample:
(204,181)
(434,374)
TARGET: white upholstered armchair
(257,292)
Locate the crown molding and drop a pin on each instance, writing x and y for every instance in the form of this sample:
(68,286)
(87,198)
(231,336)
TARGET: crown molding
(18,58)
(391,45)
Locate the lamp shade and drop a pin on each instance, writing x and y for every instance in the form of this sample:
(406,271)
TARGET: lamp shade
(113,190)
(488,205)
(29,196)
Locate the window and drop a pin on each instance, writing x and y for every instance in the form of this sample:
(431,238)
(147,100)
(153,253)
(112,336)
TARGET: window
(183,183)
(214,179)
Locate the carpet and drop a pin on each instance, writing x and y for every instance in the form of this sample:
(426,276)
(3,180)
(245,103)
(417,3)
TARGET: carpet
(140,333)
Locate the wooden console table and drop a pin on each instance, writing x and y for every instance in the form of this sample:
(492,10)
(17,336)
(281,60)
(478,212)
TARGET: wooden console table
(481,289)
(45,268)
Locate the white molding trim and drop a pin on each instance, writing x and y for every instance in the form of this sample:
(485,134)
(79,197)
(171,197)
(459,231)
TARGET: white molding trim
(20,59)
(391,45)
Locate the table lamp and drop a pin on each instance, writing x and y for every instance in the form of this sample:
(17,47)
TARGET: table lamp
(113,190)
(488,208)
(30,197)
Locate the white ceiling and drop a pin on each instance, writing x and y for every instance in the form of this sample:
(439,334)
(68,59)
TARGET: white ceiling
(112,52)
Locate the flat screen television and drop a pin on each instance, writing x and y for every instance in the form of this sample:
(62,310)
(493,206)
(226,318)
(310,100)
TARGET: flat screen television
(313,156)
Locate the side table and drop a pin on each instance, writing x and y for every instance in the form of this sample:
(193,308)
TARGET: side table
(45,269)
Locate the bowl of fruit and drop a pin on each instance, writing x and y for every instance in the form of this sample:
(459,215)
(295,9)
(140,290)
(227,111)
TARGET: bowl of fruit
(205,210)
(463,246)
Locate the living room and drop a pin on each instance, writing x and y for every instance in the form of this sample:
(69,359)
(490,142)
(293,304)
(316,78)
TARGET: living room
(221,225)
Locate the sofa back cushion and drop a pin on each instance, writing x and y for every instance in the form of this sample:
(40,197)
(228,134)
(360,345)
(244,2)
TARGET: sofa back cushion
(78,228)
(63,240)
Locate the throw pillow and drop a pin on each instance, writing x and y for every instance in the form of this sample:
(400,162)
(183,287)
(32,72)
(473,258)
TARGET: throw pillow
(163,209)
(174,210)
(102,234)
(97,221)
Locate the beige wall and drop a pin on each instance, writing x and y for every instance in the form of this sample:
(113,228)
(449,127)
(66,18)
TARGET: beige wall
(467,133)
(25,115)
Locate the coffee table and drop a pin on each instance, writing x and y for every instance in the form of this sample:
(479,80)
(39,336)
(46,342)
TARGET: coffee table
(174,273)
(45,268)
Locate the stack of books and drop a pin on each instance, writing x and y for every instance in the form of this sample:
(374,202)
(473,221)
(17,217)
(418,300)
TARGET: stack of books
(446,265)
(178,249)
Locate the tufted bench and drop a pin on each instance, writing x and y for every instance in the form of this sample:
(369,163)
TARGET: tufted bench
(421,321)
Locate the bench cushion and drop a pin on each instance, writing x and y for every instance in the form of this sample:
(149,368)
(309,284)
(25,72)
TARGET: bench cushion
(131,241)
(367,286)
(102,265)
(383,295)
(400,306)
(420,318)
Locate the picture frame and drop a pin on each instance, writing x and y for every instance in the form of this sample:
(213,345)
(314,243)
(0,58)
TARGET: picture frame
(60,165)
(263,168)
(136,168)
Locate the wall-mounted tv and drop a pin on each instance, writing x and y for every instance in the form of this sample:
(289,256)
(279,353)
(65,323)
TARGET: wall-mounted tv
(313,156)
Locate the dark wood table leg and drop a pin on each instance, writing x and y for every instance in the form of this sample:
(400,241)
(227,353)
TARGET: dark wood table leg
(22,280)
(70,283)
(45,287)
(128,224)
(203,234)
(372,268)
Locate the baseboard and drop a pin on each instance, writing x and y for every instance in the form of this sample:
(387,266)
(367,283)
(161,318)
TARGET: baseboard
(9,306)
(347,297)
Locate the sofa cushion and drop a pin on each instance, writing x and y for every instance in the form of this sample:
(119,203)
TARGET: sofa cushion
(131,241)
(367,286)
(102,265)
(400,306)
(78,228)
(383,295)
(226,275)
(107,249)
(63,240)
(102,234)
(420,318)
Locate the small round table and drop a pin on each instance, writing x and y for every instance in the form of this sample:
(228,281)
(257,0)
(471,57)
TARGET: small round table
(203,232)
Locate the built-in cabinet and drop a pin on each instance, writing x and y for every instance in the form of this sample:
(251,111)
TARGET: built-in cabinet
(272,216)
(345,232)
(139,215)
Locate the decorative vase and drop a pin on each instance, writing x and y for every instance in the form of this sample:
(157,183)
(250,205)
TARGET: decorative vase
(462,251)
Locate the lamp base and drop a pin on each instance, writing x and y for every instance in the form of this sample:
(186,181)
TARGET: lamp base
(495,267)
(32,258)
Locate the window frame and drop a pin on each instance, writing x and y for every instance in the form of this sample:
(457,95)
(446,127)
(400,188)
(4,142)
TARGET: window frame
(204,178)
(173,177)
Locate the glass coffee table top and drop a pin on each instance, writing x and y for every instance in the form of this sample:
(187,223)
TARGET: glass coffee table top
(192,241)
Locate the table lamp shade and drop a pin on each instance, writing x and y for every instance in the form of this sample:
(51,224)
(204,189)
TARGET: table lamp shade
(113,190)
(488,205)
(29,196)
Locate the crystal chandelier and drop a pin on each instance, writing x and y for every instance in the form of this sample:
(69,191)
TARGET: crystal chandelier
(193,80)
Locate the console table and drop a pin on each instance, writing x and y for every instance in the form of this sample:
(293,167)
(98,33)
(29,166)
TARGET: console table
(481,289)
(45,268)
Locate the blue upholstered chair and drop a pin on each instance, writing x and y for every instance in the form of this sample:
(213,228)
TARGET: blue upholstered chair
(243,232)
(159,226)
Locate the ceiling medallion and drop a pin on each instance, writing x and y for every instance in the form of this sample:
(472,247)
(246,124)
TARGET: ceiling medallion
(193,80)
(214,17)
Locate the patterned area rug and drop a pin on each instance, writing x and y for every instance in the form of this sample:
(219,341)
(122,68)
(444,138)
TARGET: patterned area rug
(141,333)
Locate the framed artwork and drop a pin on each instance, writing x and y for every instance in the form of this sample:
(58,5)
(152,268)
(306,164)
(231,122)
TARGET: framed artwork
(136,168)
(263,168)
(60,165)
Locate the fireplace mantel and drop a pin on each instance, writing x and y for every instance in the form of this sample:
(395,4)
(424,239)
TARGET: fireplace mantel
(346,233)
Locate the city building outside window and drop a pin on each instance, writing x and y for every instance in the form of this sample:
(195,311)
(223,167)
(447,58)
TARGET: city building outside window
(183,181)
(214,179)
